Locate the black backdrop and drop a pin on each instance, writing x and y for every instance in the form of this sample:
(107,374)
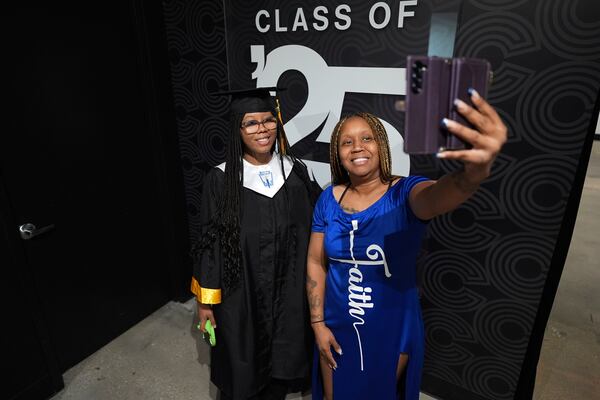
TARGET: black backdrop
(489,270)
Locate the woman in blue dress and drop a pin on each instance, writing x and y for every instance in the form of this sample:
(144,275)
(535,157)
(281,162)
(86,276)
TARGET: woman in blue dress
(361,266)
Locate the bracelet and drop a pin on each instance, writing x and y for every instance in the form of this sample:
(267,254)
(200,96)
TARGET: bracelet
(315,322)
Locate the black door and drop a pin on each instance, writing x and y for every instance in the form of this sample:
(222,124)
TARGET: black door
(29,364)
(78,156)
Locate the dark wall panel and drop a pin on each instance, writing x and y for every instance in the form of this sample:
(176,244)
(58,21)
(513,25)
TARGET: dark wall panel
(489,270)
(196,39)
(493,266)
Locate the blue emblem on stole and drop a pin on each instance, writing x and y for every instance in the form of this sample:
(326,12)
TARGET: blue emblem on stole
(266,177)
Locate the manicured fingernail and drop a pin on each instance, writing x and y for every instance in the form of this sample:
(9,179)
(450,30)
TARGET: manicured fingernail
(440,155)
(459,104)
(472,92)
(339,351)
(447,123)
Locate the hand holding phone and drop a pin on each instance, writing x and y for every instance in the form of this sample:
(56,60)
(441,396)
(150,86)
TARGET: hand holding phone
(433,83)
(209,336)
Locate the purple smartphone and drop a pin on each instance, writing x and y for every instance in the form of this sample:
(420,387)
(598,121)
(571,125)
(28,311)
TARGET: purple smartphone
(432,85)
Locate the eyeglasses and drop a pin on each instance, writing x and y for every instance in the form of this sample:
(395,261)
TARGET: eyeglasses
(253,126)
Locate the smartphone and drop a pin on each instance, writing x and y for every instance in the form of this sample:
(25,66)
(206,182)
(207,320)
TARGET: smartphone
(210,336)
(432,85)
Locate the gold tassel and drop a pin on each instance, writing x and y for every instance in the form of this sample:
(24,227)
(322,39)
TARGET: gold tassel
(282,137)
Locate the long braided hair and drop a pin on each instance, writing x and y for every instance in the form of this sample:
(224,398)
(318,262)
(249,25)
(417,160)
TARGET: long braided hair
(224,227)
(339,175)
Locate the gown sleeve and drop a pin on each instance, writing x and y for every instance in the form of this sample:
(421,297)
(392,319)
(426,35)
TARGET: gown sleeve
(206,279)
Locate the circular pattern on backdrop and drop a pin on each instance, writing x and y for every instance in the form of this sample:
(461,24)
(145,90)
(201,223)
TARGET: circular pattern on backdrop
(554,110)
(183,72)
(441,371)
(536,195)
(503,327)
(179,45)
(532,192)
(174,12)
(204,25)
(185,103)
(514,77)
(460,230)
(188,127)
(447,277)
(479,35)
(569,29)
(514,135)
(209,76)
(444,336)
(502,165)
(212,140)
(518,264)
(190,162)
(491,377)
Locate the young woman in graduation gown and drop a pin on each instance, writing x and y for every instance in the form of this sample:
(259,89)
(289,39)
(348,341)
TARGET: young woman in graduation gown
(250,258)
(362,255)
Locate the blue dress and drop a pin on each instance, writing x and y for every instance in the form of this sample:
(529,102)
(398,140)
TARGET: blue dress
(371,300)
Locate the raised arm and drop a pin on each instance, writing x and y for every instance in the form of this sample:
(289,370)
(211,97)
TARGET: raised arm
(432,198)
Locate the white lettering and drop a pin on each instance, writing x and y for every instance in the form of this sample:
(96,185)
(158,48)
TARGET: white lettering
(402,13)
(278,27)
(386,18)
(361,297)
(343,17)
(262,29)
(321,18)
(327,86)
(373,251)
(300,20)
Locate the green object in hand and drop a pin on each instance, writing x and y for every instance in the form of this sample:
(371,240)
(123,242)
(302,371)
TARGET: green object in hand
(210,330)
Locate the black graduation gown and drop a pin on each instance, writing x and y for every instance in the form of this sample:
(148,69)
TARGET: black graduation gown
(263,328)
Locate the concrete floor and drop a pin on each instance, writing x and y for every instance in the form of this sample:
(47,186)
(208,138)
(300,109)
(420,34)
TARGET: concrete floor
(569,366)
(161,358)
(164,357)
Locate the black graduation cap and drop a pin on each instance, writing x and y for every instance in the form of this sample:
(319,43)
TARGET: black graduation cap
(251,100)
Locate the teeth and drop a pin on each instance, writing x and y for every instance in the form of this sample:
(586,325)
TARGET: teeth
(360,160)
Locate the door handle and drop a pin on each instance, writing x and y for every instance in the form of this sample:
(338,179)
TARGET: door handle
(29,231)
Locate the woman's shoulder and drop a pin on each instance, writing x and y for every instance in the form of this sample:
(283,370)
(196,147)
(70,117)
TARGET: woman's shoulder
(408,180)
(403,185)
(217,172)
(214,177)
(326,195)
(337,190)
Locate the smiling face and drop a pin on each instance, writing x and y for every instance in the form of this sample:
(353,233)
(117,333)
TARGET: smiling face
(358,150)
(258,144)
